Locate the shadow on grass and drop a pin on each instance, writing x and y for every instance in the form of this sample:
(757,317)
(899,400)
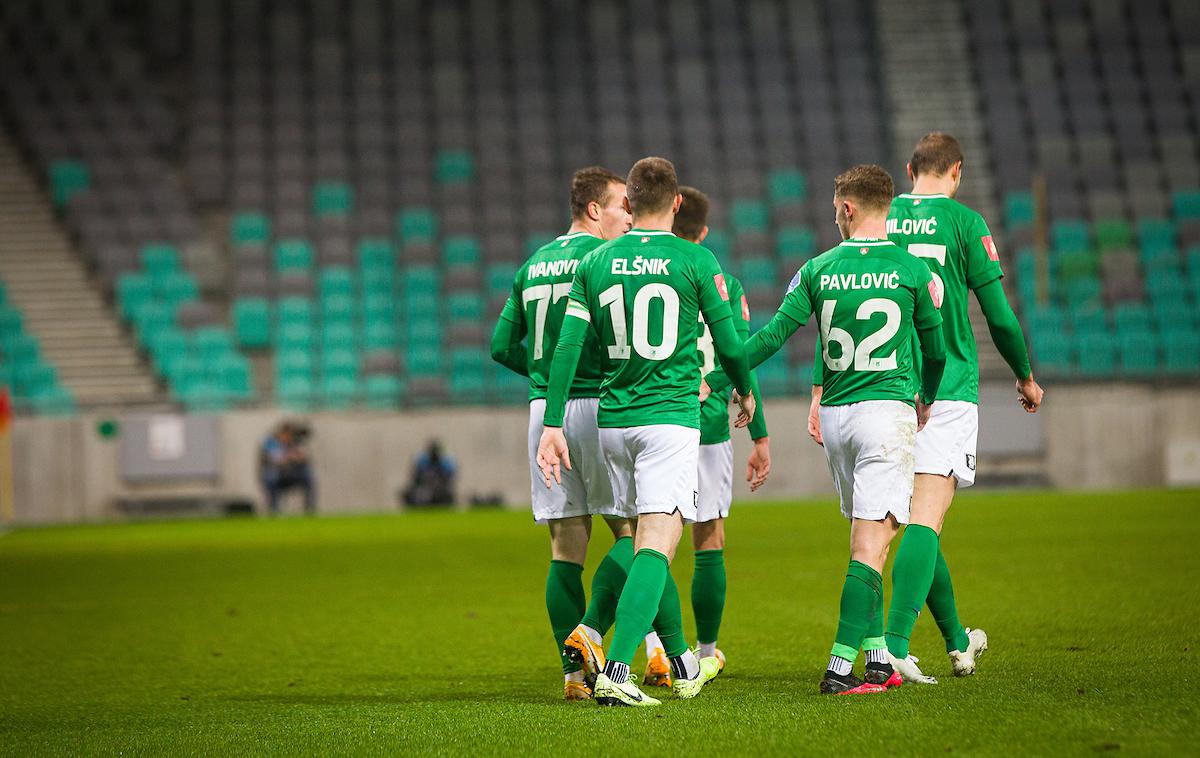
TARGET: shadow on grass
(349,698)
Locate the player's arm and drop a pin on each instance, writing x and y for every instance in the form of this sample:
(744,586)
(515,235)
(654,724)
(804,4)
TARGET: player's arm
(758,425)
(928,321)
(508,349)
(576,324)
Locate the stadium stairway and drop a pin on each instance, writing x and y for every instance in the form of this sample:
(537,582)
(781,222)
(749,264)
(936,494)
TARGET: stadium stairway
(77,330)
(929,86)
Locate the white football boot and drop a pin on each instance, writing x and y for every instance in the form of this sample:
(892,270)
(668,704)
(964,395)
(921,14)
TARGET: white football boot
(909,671)
(964,662)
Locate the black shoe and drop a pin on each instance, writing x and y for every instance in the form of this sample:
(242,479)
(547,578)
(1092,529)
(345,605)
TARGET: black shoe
(845,684)
(878,673)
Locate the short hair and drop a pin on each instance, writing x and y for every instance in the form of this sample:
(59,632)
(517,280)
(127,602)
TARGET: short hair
(652,185)
(590,185)
(867,184)
(935,154)
(693,214)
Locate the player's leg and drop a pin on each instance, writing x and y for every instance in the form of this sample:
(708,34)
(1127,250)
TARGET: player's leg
(565,601)
(708,537)
(963,645)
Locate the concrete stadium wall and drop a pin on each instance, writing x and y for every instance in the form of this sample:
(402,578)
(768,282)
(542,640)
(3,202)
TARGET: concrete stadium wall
(1087,437)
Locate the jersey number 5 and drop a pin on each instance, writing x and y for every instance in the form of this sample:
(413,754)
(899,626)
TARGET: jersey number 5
(542,295)
(613,298)
(860,356)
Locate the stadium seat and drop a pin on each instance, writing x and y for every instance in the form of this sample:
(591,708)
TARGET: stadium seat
(249,228)
(1070,236)
(376,254)
(464,306)
(795,243)
(1018,209)
(297,335)
(332,199)
(786,185)
(212,343)
(1139,353)
(1156,236)
(133,290)
(454,166)
(1185,204)
(416,225)
(1097,356)
(293,310)
(236,379)
(380,335)
(33,378)
(295,391)
(500,277)
(1130,317)
(1114,234)
(1181,350)
(67,178)
(382,392)
(339,391)
(175,287)
(749,216)
(757,273)
(720,245)
(423,359)
(1052,353)
(339,335)
(252,322)
(463,250)
(293,255)
(335,281)
(160,259)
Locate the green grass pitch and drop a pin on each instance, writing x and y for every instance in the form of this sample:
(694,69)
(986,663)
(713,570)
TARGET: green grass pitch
(427,633)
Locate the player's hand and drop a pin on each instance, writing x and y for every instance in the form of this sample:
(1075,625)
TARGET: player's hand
(705,390)
(552,453)
(814,418)
(746,408)
(1029,394)
(922,413)
(759,465)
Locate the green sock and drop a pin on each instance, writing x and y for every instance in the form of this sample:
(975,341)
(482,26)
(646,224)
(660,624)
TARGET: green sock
(607,585)
(638,604)
(912,573)
(708,593)
(874,638)
(941,605)
(564,603)
(860,594)
(669,621)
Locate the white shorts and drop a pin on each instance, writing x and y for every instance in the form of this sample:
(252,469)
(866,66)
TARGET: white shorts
(653,468)
(585,489)
(946,446)
(869,446)
(715,477)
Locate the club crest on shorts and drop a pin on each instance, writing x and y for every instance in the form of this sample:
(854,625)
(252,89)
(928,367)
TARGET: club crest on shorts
(970,462)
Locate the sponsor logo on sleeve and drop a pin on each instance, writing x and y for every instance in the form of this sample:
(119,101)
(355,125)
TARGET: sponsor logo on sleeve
(722,288)
(794,283)
(990,246)
(745,309)
(935,292)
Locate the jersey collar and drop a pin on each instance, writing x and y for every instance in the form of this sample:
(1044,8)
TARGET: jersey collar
(915,196)
(650,232)
(865,242)
(576,235)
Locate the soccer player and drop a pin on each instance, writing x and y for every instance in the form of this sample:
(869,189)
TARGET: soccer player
(642,295)
(956,245)
(869,296)
(715,491)
(534,313)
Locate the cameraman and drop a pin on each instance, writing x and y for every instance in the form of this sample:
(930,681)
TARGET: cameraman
(283,465)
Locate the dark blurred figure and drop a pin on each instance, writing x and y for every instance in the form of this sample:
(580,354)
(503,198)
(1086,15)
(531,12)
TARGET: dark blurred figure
(284,464)
(432,478)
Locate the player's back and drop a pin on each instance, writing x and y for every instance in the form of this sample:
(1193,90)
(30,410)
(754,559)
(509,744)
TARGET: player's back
(540,289)
(643,294)
(956,245)
(865,295)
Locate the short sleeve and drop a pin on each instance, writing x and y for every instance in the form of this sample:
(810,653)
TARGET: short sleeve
(797,302)
(983,261)
(713,289)
(926,313)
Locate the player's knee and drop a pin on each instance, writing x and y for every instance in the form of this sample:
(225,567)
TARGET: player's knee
(709,535)
(620,527)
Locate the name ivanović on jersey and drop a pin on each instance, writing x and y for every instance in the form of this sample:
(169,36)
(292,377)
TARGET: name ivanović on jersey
(865,281)
(564,267)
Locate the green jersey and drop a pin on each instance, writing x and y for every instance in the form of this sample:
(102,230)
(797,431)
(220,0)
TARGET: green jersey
(956,245)
(714,412)
(869,296)
(537,304)
(643,294)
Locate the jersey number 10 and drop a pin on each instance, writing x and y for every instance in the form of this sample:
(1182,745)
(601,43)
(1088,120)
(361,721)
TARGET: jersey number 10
(613,298)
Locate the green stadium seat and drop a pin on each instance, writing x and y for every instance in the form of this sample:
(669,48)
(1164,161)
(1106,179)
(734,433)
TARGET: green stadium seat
(249,228)
(382,392)
(1181,350)
(339,335)
(338,307)
(510,387)
(295,391)
(424,330)
(201,393)
(423,359)
(463,250)
(339,391)
(160,258)
(132,291)
(376,254)
(1171,313)
(500,277)
(786,185)
(795,243)
(1088,317)
(1070,235)
(537,240)
(295,310)
(1052,354)
(1097,354)
(33,378)
(1018,209)
(469,374)
(335,280)
(1047,320)
(749,216)
(66,179)
(422,304)
(178,368)
(211,343)
(1156,235)
(1114,234)
(235,376)
(453,166)
(1082,290)
(3,294)
(1131,317)
(1073,264)
(420,279)
(176,287)
(294,335)
(1166,284)
(378,282)
(378,307)
(166,347)
(54,401)
(380,335)
(720,245)
(290,361)
(757,273)
(1185,204)
(465,306)
(252,322)
(151,318)
(293,255)
(774,377)
(416,225)
(1139,353)
(332,199)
